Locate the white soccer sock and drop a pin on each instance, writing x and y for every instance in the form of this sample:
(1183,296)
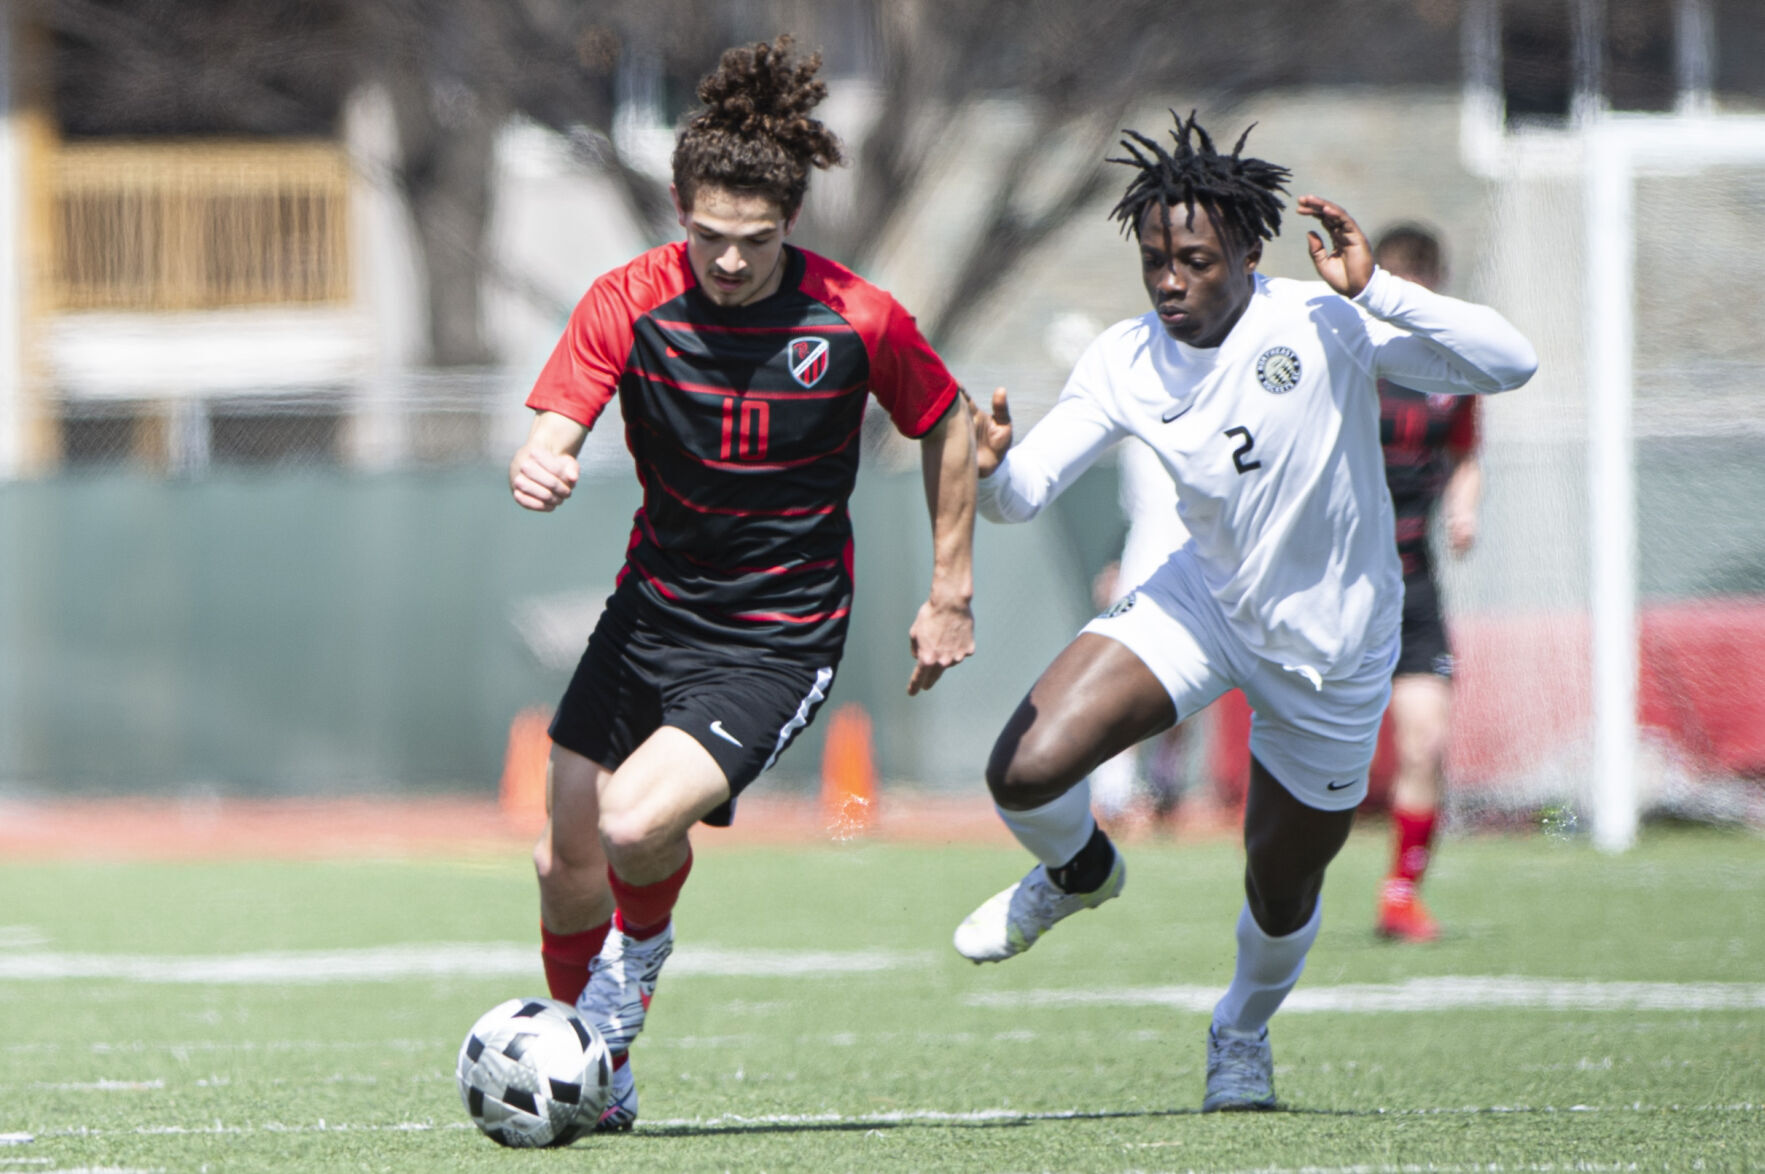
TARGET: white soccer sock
(1055,831)
(1112,784)
(1267,969)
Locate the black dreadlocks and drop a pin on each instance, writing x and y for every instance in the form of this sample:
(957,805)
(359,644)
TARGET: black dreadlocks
(1240,192)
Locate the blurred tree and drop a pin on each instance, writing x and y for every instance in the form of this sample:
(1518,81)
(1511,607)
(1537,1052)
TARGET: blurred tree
(1075,71)
(143,68)
(455,70)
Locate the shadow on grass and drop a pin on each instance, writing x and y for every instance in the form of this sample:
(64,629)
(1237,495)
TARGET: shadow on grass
(737,1126)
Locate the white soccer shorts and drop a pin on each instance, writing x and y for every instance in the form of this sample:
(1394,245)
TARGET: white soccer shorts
(1317,742)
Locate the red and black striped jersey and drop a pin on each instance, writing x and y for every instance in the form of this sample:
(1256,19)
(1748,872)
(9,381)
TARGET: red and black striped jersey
(744,424)
(1424,436)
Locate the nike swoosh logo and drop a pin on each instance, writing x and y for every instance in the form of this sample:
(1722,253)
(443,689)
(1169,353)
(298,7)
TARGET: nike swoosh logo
(1174,413)
(1339,786)
(717,728)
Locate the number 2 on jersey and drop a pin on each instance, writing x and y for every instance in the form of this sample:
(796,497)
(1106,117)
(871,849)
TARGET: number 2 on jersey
(1238,461)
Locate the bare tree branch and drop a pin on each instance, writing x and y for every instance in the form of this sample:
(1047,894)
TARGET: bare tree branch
(1009,232)
(457,69)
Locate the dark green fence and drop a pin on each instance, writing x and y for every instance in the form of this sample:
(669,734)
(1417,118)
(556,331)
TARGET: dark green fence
(308,631)
(312,632)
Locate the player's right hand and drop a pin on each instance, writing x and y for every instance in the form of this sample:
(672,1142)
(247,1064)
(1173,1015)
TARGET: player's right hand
(1461,531)
(1347,265)
(540,479)
(992,433)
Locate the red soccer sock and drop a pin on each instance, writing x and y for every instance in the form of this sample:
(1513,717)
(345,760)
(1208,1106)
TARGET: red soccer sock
(644,910)
(566,957)
(1413,836)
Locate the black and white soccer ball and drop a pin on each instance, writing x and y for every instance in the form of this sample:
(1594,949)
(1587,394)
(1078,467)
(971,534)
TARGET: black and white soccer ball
(533,1073)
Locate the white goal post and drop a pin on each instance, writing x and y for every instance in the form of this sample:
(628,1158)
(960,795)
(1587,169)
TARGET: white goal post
(1616,150)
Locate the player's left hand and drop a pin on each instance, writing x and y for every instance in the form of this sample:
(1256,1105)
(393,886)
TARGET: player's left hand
(1461,531)
(992,433)
(942,636)
(1347,265)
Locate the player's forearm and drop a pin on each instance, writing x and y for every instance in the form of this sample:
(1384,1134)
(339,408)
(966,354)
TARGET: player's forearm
(947,464)
(1066,442)
(556,434)
(1483,352)
(1464,488)
(543,471)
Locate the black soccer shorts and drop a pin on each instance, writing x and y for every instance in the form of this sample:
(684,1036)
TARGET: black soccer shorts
(1425,649)
(742,704)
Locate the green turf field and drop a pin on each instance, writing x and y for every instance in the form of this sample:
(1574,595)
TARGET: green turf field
(185,1048)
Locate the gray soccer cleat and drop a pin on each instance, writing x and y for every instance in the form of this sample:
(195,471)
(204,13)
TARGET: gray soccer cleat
(621,1111)
(1240,1073)
(621,983)
(1009,923)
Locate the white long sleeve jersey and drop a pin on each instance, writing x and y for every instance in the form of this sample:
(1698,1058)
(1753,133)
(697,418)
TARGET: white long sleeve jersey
(1272,439)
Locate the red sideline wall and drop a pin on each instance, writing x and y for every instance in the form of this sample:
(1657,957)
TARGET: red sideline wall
(1520,695)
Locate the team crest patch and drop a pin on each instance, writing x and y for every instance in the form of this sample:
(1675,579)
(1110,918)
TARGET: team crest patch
(1278,370)
(807,358)
(1121,605)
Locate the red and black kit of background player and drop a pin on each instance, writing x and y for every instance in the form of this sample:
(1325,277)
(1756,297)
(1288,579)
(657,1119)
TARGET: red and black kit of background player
(1424,437)
(744,424)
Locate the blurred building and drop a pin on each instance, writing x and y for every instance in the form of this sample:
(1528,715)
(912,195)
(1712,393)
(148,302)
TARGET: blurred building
(182,297)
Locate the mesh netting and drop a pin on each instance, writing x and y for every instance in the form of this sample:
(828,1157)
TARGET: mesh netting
(1521,603)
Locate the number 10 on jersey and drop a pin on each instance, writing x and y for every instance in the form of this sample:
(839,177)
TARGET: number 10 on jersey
(745,426)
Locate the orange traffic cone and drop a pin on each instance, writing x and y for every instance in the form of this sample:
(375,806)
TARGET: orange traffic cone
(522,797)
(848,773)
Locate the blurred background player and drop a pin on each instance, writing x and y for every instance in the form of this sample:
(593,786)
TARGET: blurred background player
(1430,446)
(1149,502)
(742,367)
(1260,398)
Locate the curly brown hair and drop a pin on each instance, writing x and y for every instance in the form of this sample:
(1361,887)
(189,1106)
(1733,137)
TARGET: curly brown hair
(754,133)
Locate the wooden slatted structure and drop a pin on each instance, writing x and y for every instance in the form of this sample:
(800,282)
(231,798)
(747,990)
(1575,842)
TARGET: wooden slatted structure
(197,225)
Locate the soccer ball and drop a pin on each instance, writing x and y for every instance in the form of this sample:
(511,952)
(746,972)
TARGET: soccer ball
(532,1073)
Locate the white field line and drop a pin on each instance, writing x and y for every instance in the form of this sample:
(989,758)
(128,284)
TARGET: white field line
(425,960)
(1448,992)
(897,1117)
(218,1129)
(1453,1167)
(474,960)
(182,1050)
(21,937)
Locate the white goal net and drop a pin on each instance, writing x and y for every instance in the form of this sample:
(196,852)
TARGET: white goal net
(1612,626)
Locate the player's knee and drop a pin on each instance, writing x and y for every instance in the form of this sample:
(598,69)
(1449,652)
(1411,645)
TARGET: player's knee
(632,837)
(624,833)
(1281,918)
(1278,915)
(1281,898)
(560,858)
(1423,748)
(1030,770)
